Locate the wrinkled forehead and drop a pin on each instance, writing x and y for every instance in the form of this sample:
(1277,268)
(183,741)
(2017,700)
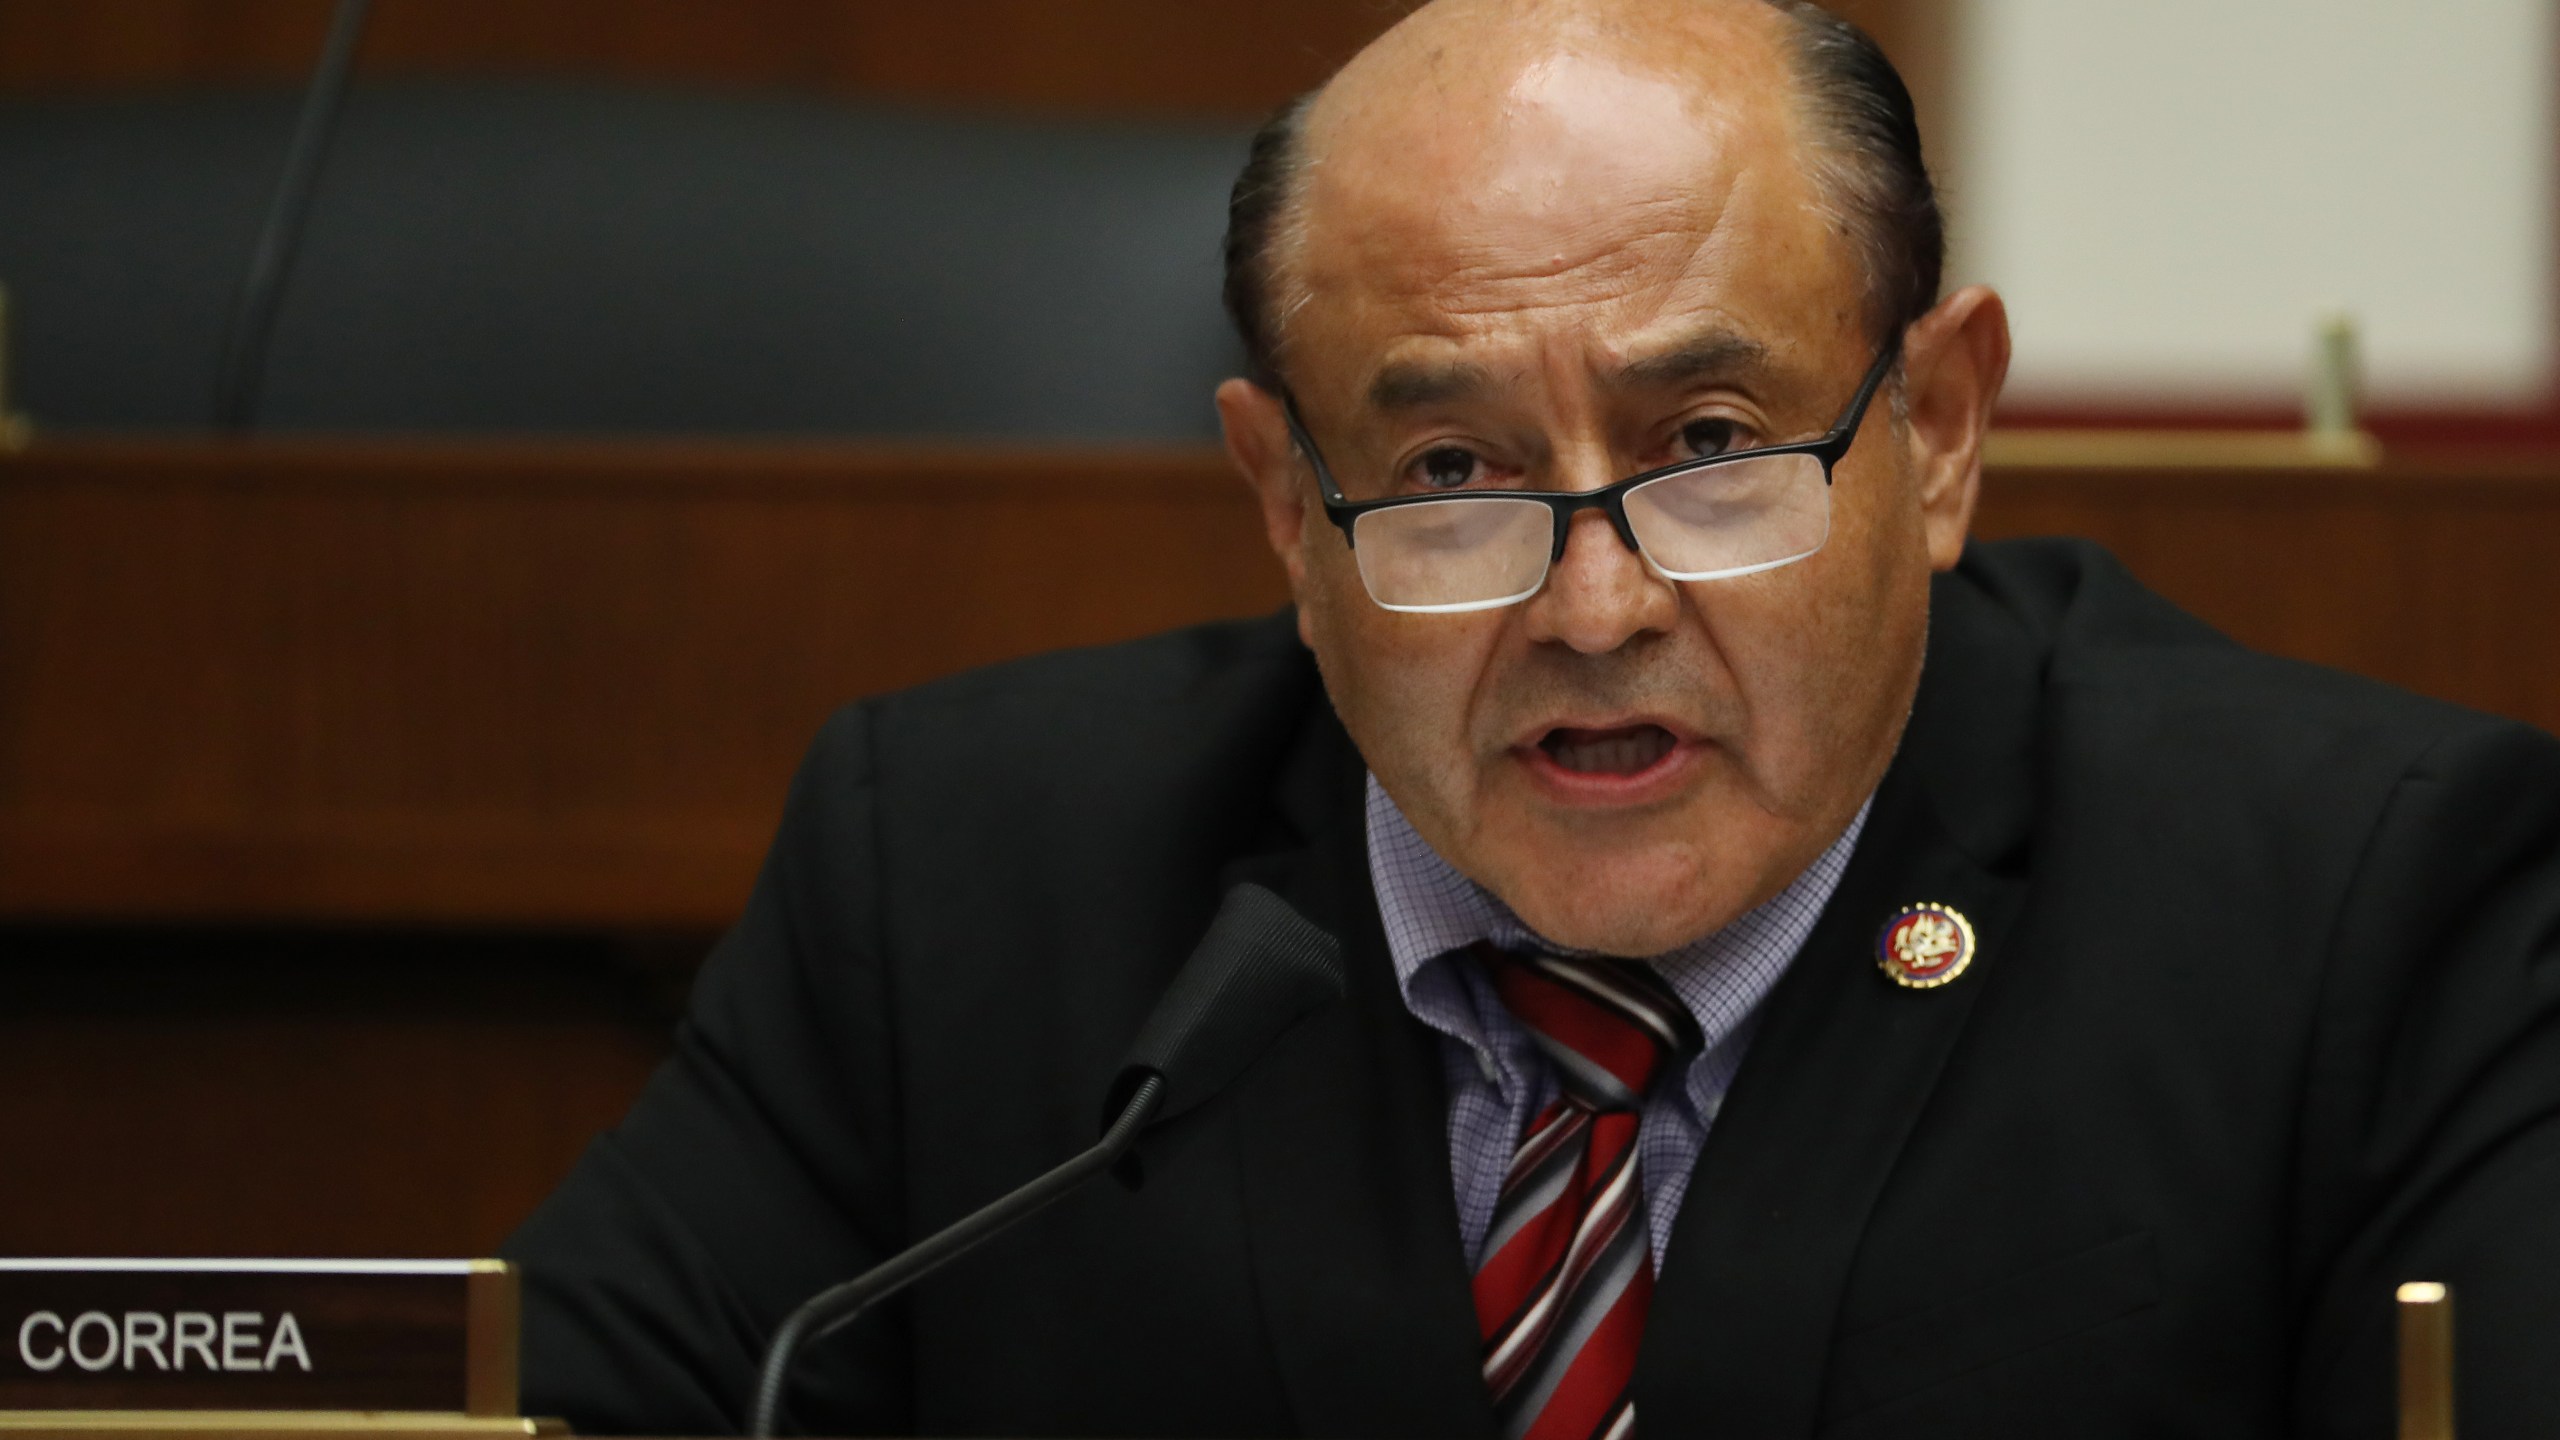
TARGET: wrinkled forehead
(1561,193)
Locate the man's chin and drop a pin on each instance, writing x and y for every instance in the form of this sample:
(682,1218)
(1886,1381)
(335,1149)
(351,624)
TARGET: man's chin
(1626,912)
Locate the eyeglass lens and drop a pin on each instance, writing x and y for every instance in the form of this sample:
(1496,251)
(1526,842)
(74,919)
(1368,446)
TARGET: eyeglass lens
(1454,554)
(1756,513)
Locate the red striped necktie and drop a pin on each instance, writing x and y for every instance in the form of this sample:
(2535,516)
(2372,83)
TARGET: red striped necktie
(1568,1263)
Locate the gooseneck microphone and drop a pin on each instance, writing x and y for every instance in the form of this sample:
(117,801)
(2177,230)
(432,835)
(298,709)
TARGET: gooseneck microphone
(253,318)
(1260,967)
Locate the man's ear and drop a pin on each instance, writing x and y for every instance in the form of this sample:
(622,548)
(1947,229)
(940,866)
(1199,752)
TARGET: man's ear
(1257,436)
(1954,360)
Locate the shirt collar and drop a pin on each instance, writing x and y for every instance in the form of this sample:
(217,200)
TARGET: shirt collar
(1430,910)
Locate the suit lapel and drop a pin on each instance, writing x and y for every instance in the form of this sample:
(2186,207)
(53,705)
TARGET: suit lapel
(1343,1134)
(1844,1059)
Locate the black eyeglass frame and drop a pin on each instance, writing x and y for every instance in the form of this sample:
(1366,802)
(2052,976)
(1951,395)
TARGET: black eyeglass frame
(1830,448)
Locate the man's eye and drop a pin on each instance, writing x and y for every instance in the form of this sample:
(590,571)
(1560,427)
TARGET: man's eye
(1447,468)
(1710,437)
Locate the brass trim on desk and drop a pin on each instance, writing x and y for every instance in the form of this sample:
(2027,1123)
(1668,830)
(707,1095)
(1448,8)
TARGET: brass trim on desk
(2426,1361)
(492,1298)
(267,1424)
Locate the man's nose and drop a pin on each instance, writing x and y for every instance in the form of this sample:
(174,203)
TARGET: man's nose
(1599,594)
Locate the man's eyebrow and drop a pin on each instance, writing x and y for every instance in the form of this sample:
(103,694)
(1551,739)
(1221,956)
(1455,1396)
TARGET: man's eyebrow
(1402,385)
(1713,353)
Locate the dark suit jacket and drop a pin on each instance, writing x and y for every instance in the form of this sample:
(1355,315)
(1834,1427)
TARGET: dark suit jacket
(2265,1020)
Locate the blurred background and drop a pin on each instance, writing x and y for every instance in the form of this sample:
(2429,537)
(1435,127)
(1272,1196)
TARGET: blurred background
(384,741)
(999,217)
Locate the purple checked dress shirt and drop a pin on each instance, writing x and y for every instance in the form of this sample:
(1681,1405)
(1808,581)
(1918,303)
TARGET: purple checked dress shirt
(1497,1077)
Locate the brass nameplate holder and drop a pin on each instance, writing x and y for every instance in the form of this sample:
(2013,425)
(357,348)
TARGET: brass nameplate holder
(243,1348)
(2426,1361)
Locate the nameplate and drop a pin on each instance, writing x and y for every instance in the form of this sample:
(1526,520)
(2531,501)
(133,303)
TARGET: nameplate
(343,1335)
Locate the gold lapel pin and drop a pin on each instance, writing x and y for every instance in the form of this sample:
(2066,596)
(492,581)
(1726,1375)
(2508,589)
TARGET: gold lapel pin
(1925,946)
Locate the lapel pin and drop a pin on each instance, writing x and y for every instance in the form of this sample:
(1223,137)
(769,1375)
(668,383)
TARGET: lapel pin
(1925,946)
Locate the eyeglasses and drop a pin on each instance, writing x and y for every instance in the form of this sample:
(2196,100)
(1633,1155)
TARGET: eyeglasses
(1711,518)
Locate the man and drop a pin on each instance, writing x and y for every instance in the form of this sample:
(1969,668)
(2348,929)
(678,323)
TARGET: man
(2049,1019)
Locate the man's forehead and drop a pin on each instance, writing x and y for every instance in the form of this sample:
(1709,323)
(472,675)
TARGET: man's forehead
(1461,81)
(1454,46)
(1421,376)
(1579,155)
(1452,190)
(1527,134)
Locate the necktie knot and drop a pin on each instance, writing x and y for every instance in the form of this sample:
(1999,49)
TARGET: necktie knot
(1611,1027)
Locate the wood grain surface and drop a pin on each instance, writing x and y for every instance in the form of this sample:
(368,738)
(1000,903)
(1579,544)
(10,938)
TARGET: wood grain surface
(1127,56)
(515,685)
(2434,572)
(295,1091)
(363,805)
(1232,59)
(566,686)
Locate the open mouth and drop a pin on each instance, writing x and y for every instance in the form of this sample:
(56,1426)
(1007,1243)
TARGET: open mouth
(1626,750)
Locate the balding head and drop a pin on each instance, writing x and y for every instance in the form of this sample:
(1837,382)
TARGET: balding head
(1609,251)
(1438,89)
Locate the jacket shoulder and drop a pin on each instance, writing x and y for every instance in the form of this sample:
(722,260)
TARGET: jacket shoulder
(2115,654)
(1153,751)
(1176,665)
(1095,700)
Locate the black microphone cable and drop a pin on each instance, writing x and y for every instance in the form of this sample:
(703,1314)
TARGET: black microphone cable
(833,1309)
(253,319)
(1261,966)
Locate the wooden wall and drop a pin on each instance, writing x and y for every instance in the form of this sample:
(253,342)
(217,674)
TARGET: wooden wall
(517,685)
(292,1090)
(564,686)
(1230,58)
(362,809)
(363,805)
(1177,55)
(2434,573)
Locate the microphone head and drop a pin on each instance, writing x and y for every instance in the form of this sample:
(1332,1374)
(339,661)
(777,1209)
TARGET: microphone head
(1261,966)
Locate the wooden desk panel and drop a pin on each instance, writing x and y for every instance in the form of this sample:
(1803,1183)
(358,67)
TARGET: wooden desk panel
(518,685)
(1238,59)
(428,688)
(2441,574)
(293,1091)
(527,685)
